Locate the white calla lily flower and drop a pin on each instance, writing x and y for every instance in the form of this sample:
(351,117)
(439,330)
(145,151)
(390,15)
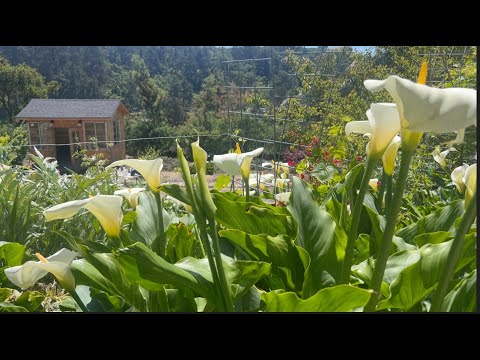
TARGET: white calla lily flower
(106,208)
(283,197)
(26,275)
(383,124)
(389,156)
(439,157)
(470,180)
(457,177)
(149,169)
(131,195)
(236,164)
(374,183)
(423,108)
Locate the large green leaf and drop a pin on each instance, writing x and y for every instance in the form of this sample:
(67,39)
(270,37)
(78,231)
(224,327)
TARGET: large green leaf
(432,238)
(316,234)
(108,267)
(9,307)
(442,219)
(418,280)
(463,297)
(288,261)
(399,261)
(177,192)
(146,227)
(30,300)
(340,298)
(253,218)
(239,273)
(150,271)
(11,253)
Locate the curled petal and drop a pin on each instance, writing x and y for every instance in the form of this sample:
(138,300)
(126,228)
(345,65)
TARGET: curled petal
(470,180)
(457,177)
(106,208)
(385,123)
(236,164)
(29,273)
(423,108)
(374,184)
(149,169)
(390,155)
(359,127)
(131,195)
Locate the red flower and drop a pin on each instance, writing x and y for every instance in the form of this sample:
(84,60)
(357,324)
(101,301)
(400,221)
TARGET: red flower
(359,158)
(310,168)
(315,140)
(326,153)
(379,183)
(302,176)
(291,163)
(309,153)
(336,161)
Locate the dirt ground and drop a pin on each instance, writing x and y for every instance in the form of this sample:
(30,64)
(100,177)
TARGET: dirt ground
(175,177)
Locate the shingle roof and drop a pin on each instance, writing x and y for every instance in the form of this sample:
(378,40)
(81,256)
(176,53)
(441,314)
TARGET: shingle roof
(69,108)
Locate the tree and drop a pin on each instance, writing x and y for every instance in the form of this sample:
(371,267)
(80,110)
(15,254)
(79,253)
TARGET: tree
(18,85)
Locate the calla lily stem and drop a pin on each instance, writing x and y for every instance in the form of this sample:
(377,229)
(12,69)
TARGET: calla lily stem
(357,210)
(161,250)
(247,188)
(389,191)
(454,255)
(392,214)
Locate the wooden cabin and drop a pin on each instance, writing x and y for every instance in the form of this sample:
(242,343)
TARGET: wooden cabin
(60,127)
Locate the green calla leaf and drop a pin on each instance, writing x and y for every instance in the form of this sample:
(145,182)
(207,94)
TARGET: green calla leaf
(316,234)
(418,280)
(463,298)
(442,219)
(146,227)
(340,298)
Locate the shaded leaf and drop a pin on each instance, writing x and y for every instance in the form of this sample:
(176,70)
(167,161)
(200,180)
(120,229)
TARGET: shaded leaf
(463,297)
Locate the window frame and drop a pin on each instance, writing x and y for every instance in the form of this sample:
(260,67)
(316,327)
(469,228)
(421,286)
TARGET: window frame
(101,145)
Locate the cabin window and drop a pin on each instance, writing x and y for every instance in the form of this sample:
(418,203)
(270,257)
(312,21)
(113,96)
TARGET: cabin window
(116,131)
(98,131)
(38,134)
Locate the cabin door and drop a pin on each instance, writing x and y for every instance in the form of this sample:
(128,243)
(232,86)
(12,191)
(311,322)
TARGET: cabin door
(74,135)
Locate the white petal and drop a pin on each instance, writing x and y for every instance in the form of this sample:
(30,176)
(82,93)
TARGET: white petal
(385,123)
(131,195)
(228,163)
(373,184)
(360,127)
(149,169)
(65,210)
(26,275)
(470,180)
(374,85)
(430,109)
(389,156)
(457,177)
(283,197)
(267,165)
(108,210)
(64,256)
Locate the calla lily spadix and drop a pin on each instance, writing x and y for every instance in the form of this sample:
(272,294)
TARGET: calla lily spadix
(439,157)
(236,164)
(423,108)
(457,177)
(383,124)
(106,208)
(131,195)
(149,169)
(58,264)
